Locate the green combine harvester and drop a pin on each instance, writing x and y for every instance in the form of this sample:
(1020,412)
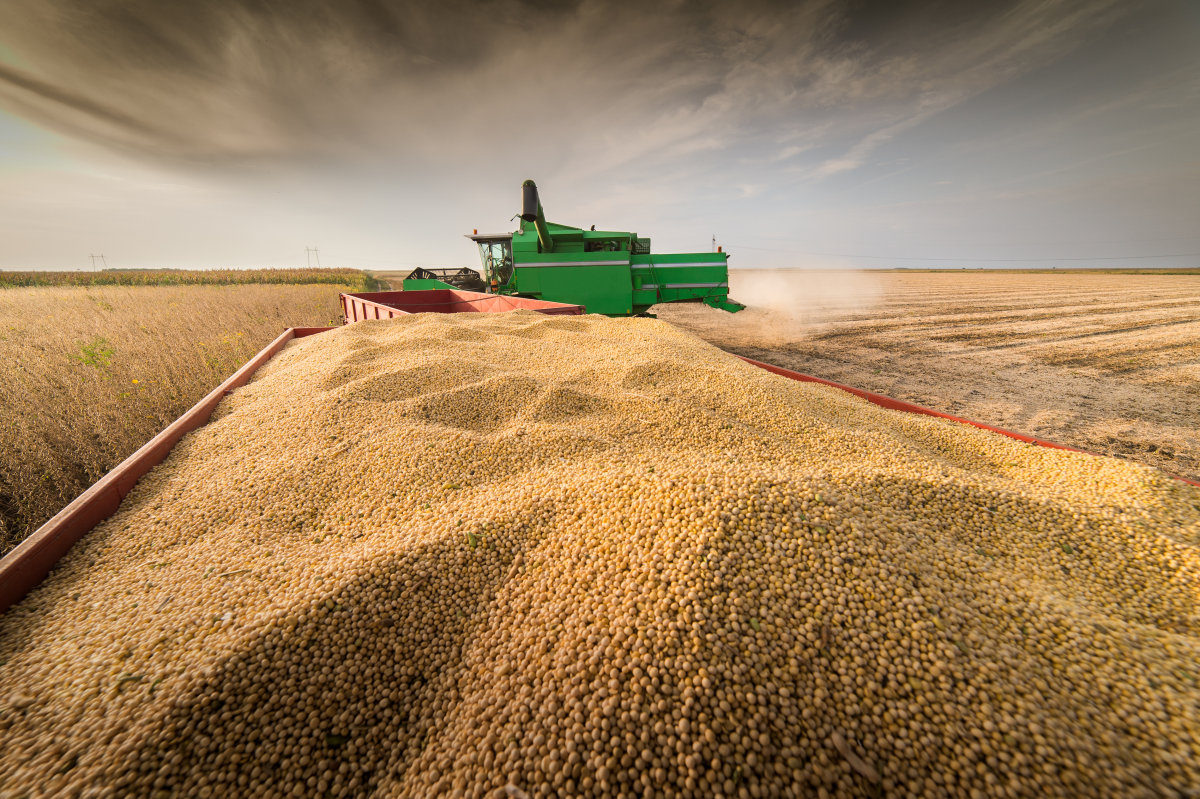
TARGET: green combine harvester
(608,272)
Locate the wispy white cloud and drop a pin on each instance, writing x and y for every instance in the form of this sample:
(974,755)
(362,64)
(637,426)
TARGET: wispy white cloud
(953,68)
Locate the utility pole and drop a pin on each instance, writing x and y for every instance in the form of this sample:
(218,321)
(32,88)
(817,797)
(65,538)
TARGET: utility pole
(311,254)
(101,257)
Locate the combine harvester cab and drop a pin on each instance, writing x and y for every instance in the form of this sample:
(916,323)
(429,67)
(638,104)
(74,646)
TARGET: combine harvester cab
(608,272)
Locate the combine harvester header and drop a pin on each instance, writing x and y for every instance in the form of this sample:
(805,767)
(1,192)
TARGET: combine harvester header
(608,272)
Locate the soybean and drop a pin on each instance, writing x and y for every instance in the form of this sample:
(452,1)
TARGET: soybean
(517,555)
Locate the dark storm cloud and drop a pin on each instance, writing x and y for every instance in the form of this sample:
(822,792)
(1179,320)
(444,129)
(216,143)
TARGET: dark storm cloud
(244,81)
(31,91)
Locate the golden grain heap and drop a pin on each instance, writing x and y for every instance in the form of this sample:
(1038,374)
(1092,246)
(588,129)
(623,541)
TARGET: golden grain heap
(516,555)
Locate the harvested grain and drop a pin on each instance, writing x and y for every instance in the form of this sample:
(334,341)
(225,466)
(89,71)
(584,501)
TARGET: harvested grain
(495,555)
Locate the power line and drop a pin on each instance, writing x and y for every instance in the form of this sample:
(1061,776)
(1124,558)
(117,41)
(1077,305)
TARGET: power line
(309,254)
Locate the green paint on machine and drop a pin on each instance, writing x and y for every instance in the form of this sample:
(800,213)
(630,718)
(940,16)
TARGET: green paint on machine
(608,272)
(418,284)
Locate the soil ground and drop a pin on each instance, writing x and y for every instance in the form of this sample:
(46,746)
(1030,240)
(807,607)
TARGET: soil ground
(1109,363)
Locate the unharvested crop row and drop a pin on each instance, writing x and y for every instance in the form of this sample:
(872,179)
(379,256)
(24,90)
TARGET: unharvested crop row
(353,278)
(93,373)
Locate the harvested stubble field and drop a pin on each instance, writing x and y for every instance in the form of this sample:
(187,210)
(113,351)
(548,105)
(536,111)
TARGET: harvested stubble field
(1105,362)
(92,373)
(580,556)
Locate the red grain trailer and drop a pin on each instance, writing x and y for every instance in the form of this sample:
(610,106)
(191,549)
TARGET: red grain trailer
(24,567)
(389,304)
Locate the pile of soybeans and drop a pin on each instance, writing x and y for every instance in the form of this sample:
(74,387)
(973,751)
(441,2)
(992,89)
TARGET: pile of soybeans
(513,555)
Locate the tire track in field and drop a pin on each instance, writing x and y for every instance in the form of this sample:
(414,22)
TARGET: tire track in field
(951,320)
(1078,336)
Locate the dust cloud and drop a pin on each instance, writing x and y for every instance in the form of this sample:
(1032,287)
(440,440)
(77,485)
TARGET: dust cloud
(788,305)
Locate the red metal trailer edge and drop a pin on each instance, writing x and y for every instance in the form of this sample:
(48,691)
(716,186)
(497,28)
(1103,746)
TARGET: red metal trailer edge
(363,306)
(26,565)
(890,403)
(23,568)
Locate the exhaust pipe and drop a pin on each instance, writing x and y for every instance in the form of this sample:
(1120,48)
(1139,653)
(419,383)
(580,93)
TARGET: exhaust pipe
(531,211)
(530,207)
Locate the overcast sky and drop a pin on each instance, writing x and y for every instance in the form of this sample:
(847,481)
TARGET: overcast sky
(822,133)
